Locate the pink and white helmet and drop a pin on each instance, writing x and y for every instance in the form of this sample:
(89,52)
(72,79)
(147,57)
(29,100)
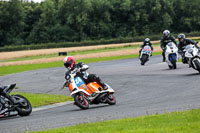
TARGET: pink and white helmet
(166,32)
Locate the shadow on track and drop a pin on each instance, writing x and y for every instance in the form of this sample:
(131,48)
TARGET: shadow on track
(9,117)
(90,108)
(192,74)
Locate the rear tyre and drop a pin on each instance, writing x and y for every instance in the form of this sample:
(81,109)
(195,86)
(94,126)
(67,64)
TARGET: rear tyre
(184,60)
(25,107)
(81,102)
(142,63)
(111,99)
(197,64)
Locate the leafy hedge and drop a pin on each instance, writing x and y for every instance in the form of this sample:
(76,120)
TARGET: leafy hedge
(85,43)
(23,22)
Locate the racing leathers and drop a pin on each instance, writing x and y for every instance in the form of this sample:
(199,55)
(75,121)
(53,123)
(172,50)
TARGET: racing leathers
(164,41)
(145,44)
(182,45)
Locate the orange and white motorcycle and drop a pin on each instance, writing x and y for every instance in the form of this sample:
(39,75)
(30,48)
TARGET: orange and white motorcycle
(85,94)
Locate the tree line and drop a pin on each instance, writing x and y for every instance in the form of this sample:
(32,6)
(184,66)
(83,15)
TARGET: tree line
(23,22)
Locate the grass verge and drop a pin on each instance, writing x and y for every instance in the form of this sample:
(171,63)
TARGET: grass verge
(176,122)
(37,100)
(4,70)
(72,53)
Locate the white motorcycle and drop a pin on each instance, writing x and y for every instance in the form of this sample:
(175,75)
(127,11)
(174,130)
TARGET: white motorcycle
(192,56)
(171,55)
(145,54)
(85,94)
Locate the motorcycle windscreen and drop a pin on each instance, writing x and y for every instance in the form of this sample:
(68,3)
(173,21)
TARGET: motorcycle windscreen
(147,48)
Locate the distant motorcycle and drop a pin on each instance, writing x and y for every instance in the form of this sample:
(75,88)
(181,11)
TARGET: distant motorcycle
(145,54)
(85,94)
(171,55)
(7,108)
(192,56)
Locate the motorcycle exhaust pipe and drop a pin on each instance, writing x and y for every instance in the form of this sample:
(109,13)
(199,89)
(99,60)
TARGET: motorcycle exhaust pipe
(99,98)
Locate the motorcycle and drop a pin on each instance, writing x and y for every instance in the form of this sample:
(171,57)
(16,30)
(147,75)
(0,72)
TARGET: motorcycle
(7,108)
(171,55)
(87,94)
(192,56)
(145,54)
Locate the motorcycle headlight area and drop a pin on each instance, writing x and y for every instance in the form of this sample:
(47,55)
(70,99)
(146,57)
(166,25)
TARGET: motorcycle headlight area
(188,54)
(147,52)
(190,50)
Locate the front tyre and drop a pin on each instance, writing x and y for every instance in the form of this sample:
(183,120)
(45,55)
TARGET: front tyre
(170,67)
(24,108)
(144,59)
(81,102)
(197,64)
(110,99)
(173,62)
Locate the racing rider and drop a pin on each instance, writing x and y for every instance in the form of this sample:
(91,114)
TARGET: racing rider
(70,64)
(165,39)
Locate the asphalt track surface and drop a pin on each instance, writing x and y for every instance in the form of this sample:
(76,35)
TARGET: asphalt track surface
(140,90)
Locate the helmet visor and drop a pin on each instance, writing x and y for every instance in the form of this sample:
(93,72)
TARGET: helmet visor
(68,63)
(181,40)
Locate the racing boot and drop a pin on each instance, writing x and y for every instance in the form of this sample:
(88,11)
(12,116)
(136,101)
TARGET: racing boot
(163,59)
(163,54)
(12,99)
(105,87)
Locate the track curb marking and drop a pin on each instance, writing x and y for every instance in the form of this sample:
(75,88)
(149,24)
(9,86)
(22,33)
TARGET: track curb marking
(51,106)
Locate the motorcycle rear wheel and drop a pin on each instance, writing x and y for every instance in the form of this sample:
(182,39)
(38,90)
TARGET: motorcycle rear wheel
(23,110)
(81,102)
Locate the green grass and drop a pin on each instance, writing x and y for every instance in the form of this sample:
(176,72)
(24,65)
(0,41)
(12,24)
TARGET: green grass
(75,53)
(37,100)
(176,122)
(4,70)
(30,58)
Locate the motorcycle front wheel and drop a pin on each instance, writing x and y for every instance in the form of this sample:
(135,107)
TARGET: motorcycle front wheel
(197,64)
(173,62)
(24,108)
(111,99)
(81,102)
(144,59)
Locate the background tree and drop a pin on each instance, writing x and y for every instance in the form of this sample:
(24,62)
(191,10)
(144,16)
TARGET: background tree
(23,22)
(11,22)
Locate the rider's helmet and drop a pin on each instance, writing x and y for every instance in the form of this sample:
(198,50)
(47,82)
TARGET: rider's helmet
(147,40)
(166,33)
(69,62)
(181,37)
